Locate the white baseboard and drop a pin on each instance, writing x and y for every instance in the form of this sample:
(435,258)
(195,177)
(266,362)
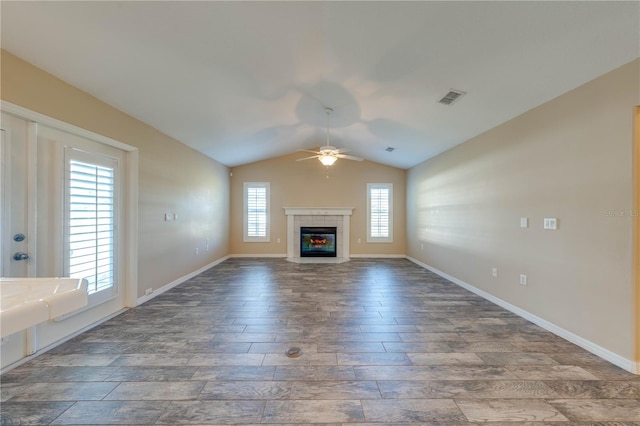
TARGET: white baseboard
(178,281)
(612,357)
(377,256)
(259,255)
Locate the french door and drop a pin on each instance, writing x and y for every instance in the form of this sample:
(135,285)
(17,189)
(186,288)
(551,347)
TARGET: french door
(17,215)
(61,211)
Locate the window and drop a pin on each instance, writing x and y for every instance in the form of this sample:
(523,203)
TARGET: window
(91,221)
(256,212)
(379,212)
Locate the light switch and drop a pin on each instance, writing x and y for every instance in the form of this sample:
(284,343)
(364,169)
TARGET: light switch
(550,223)
(523,279)
(524,222)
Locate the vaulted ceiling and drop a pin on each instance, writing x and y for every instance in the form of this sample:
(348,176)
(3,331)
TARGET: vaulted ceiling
(246,81)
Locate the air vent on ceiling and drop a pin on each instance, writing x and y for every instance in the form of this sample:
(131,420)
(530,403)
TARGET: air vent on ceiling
(452,97)
(389,149)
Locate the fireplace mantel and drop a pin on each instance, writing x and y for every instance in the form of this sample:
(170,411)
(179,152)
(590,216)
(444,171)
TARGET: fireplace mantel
(318,216)
(318,211)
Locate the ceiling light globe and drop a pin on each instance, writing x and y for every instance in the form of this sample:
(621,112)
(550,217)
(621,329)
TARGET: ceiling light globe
(327,160)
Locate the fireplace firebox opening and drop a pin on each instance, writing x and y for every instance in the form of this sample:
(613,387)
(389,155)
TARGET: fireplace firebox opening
(316,241)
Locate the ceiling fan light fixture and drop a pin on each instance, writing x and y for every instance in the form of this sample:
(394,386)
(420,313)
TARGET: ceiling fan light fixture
(327,160)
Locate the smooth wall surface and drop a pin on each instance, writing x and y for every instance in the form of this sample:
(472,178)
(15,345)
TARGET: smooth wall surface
(305,184)
(569,159)
(173,178)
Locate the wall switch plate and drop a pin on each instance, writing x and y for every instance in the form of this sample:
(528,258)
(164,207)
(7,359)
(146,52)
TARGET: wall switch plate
(524,222)
(494,272)
(523,279)
(550,223)
(278,241)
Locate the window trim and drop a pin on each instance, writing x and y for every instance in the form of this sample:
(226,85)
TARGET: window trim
(245,235)
(95,157)
(389,238)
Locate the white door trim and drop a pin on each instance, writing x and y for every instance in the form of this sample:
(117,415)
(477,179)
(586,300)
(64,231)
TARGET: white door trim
(32,196)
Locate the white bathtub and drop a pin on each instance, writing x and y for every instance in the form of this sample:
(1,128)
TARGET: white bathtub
(25,302)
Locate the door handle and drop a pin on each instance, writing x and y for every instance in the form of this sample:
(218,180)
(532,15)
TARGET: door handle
(20,256)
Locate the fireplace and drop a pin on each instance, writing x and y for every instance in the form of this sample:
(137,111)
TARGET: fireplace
(299,217)
(317,241)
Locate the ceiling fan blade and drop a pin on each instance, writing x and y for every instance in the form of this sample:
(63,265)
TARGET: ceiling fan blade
(349,157)
(341,150)
(308,150)
(308,158)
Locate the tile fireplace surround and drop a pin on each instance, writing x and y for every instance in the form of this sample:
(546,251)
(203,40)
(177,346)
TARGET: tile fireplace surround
(340,217)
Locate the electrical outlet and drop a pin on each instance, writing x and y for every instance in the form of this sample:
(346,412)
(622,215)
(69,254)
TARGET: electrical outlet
(278,241)
(494,272)
(359,240)
(523,279)
(550,223)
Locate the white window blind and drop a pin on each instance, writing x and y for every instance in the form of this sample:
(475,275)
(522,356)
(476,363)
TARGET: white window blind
(256,212)
(380,212)
(91,225)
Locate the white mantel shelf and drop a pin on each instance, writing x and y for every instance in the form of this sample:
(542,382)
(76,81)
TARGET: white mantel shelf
(342,217)
(318,211)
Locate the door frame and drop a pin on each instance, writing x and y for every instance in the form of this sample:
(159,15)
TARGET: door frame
(129,244)
(3,194)
(635,215)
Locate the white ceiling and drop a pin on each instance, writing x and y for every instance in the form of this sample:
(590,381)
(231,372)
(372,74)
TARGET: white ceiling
(245,81)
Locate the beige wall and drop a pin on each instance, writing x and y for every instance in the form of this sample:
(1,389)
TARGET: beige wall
(304,184)
(172,177)
(570,158)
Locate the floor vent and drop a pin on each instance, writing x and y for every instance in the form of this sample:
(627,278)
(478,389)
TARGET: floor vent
(451,97)
(294,352)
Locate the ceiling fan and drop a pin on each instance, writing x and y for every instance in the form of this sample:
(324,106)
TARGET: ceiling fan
(328,154)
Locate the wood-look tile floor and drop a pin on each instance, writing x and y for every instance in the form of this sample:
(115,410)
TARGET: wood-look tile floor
(383,341)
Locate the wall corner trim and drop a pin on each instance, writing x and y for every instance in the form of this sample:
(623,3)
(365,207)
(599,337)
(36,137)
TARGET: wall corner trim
(607,355)
(179,281)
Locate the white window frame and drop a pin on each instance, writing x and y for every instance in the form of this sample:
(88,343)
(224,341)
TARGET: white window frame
(257,239)
(72,153)
(388,238)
